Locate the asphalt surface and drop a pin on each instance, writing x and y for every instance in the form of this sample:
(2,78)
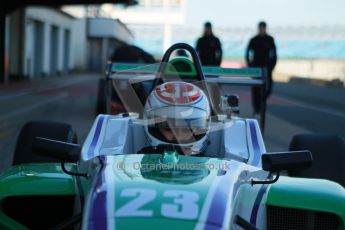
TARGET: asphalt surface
(296,109)
(308,108)
(69,99)
(292,109)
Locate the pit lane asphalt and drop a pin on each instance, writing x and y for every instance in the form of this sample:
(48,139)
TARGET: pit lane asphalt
(69,99)
(292,109)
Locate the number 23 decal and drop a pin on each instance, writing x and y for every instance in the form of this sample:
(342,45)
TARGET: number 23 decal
(184,203)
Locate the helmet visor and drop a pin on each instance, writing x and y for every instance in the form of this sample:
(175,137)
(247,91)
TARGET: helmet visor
(180,125)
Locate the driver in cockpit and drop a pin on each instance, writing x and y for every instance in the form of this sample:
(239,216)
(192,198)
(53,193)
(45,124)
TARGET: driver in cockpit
(178,116)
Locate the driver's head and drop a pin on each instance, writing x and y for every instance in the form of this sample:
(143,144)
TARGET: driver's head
(208,29)
(178,113)
(262,28)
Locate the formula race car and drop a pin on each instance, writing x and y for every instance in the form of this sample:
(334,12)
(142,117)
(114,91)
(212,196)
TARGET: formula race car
(176,157)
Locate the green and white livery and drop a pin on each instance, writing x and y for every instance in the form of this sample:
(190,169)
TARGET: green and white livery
(108,183)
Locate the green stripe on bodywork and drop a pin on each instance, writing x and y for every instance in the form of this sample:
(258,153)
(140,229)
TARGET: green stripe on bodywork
(308,194)
(246,72)
(253,72)
(117,67)
(152,223)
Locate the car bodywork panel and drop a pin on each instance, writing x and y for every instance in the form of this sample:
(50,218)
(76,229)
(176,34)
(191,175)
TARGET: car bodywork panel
(234,138)
(33,180)
(43,179)
(131,187)
(308,194)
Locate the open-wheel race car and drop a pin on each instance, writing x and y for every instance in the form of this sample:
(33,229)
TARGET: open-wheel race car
(172,154)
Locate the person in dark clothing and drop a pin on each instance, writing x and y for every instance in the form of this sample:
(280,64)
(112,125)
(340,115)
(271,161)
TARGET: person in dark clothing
(209,47)
(261,52)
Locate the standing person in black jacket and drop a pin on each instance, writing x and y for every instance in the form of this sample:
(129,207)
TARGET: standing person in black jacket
(261,52)
(209,47)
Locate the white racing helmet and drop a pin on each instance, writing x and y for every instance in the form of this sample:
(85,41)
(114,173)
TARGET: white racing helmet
(175,106)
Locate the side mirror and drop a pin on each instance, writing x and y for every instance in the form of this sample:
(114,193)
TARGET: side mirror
(275,162)
(63,151)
